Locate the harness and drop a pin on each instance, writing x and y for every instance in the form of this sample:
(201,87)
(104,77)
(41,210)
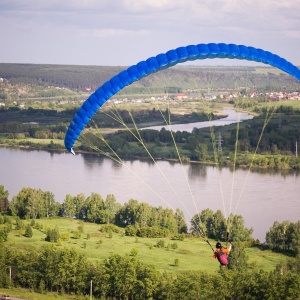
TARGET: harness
(222,257)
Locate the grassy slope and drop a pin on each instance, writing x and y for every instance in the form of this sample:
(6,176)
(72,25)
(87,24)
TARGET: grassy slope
(193,254)
(30,295)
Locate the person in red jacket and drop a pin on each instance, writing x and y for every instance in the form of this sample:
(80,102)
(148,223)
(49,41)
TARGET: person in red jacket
(222,254)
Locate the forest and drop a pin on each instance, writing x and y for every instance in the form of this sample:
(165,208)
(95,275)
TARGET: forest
(176,79)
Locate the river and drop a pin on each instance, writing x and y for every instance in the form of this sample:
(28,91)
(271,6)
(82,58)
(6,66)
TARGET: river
(232,117)
(260,197)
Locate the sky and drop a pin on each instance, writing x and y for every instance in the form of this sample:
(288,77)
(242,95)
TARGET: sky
(124,32)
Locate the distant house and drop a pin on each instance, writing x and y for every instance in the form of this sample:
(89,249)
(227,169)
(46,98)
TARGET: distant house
(180,96)
(118,101)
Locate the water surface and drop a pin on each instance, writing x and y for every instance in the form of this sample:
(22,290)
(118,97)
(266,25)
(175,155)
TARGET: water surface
(260,197)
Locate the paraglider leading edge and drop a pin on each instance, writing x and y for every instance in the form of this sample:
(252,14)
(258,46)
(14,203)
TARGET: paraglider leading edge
(163,61)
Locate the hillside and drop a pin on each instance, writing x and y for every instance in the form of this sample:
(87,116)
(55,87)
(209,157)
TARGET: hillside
(96,243)
(177,79)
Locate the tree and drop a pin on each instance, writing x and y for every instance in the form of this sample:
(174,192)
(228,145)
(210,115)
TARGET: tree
(51,208)
(127,215)
(3,235)
(4,204)
(25,204)
(168,221)
(192,143)
(122,275)
(93,208)
(201,152)
(214,225)
(111,207)
(219,226)
(52,235)
(295,244)
(237,230)
(4,265)
(180,220)
(28,231)
(69,209)
(33,203)
(79,202)
(283,236)
(197,226)
(238,260)
(203,222)
(143,214)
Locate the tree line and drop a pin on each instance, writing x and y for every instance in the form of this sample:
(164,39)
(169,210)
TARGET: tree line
(174,79)
(66,271)
(139,218)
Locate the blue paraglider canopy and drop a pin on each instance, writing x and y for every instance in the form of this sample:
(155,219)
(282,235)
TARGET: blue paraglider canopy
(163,61)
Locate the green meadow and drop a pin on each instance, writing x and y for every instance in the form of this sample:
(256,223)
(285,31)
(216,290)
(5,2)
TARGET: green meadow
(193,253)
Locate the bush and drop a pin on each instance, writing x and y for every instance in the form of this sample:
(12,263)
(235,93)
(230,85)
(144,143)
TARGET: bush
(76,234)
(3,236)
(109,228)
(28,231)
(52,235)
(134,252)
(160,244)
(174,246)
(65,236)
(178,237)
(151,232)
(130,230)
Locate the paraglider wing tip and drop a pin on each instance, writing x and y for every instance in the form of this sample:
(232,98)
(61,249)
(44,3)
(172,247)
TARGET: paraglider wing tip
(72,151)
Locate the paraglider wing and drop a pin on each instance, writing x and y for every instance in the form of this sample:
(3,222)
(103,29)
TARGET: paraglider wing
(163,61)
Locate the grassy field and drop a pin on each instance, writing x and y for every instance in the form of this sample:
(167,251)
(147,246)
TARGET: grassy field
(30,295)
(193,254)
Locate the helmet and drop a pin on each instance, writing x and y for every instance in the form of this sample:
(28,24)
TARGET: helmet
(218,245)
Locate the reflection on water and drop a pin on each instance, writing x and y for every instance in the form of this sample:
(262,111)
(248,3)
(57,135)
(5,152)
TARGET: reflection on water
(196,171)
(91,160)
(260,196)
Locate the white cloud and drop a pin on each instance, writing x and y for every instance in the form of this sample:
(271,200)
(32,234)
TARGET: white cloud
(111,32)
(148,26)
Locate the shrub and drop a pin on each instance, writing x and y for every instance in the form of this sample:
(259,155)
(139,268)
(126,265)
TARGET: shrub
(178,237)
(160,244)
(3,236)
(76,234)
(130,230)
(52,235)
(109,227)
(151,232)
(28,231)
(65,236)
(81,227)
(174,246)
(133,252)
